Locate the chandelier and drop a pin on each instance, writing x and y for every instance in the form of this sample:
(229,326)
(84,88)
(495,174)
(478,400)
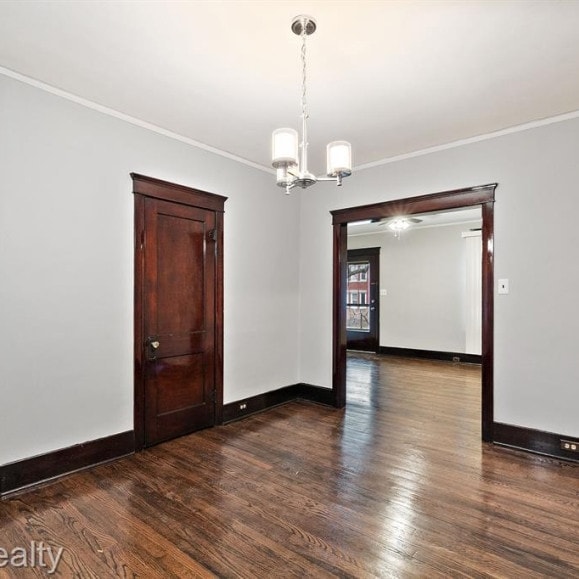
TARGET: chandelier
(291,169)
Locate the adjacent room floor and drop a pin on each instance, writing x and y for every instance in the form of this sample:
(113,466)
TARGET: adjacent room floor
(396,485)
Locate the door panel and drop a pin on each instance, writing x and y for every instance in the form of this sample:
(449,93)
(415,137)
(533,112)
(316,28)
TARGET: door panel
(179,319)
(180,287)
(179,383)
(362,300)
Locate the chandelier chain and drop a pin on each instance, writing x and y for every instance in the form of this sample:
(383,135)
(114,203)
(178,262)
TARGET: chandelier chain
(304,101)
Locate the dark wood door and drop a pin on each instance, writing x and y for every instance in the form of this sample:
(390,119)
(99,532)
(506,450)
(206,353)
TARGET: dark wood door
(362,299)
(179,319)
(178,311)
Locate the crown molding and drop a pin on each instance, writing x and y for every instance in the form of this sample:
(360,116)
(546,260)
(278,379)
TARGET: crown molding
(471,140)
(181,138)
(129,119)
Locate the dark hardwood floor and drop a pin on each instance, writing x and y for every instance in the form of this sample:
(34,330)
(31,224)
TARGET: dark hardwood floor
(396,485)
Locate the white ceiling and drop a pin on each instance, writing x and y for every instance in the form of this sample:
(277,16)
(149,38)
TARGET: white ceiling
(470,217)
(391,77)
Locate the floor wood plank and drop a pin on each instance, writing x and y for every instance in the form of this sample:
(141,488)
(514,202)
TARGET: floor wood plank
(398,484)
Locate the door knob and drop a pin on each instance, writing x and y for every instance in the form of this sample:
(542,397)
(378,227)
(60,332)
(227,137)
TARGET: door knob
(152,347)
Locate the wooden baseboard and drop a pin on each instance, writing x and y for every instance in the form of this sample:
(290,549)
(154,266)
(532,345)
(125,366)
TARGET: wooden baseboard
(432,354)
(29,472)
(537,441)
(242,408)
(316,394)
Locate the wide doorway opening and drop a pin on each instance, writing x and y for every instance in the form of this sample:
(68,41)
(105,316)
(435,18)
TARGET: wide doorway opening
(391,215)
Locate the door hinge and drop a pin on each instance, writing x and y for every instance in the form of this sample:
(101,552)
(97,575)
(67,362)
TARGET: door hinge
(142,240)
(212,235)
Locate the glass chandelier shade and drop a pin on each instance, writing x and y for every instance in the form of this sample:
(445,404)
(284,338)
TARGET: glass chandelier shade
(284,145)
(339,159)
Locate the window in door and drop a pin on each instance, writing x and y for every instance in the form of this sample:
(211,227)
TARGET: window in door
(362,307)
(357,300)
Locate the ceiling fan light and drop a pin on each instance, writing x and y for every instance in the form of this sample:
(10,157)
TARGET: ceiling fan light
(399,224)
(339,159)
(284,148)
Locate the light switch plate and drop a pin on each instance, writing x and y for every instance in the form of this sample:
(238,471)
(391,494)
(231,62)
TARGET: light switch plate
(503,286)
(383,292)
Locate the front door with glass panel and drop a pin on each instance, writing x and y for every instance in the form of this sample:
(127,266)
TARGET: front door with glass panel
(362,305)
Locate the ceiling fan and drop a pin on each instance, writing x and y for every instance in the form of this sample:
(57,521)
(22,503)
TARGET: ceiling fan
(391,220)
(398,224)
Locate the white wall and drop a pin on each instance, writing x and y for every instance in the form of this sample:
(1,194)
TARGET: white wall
(424,275)
(66,267)
(536,247)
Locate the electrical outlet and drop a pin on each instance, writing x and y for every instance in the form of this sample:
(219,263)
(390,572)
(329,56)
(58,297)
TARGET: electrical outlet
(570,445)
(243,406)
(456,359)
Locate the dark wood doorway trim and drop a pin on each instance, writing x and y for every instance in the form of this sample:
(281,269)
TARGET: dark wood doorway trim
(446,200)
(144,187)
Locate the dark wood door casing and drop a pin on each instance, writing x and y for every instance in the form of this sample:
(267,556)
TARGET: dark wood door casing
(200,213)
(483,196)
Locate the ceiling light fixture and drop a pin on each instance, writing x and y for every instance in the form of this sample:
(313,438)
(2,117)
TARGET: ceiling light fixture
(292,170)
(398,225)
